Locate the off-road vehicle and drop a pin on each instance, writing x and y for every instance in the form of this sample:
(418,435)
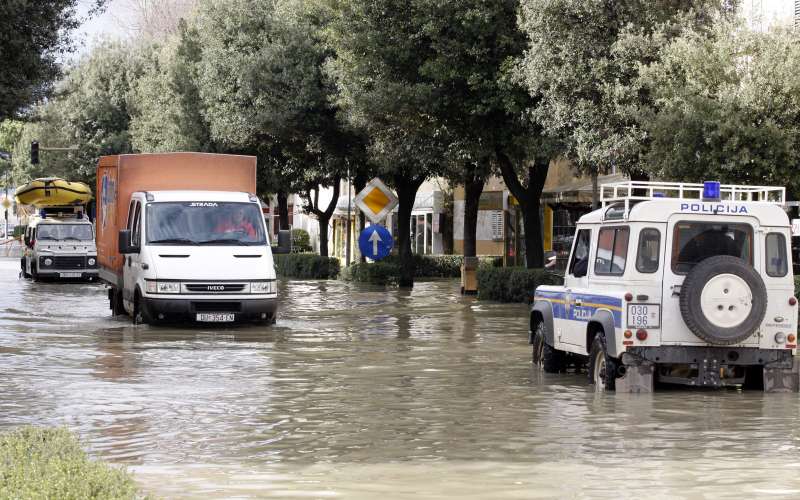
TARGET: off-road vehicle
(678,284)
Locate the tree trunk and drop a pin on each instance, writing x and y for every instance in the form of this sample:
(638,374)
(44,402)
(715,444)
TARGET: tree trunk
(283,210)
(323,233)
(529,198)
(359,183)
(406,193)
(595,191)
(473,187)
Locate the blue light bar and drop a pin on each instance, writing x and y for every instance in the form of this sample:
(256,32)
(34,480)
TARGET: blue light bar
(711,191)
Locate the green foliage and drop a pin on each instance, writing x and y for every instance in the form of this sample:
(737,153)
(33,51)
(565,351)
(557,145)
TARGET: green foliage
(49,463)
(725,107)
(301,241)
(306,266)
(10,133)
(34,35)
(376,273)
(387,271)
(512,284)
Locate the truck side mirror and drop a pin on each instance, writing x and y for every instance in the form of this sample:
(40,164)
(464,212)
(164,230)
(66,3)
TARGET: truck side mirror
(284,242)
(125,246)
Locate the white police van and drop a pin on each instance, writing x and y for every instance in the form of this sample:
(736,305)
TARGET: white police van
(675,283)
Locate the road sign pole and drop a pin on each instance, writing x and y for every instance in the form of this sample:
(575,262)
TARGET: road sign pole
(349,229)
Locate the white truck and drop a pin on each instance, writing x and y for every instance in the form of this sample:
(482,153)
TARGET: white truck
(59,245)
(678,284)
(182,237)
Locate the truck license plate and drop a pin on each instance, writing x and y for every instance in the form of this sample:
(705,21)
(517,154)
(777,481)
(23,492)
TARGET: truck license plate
(644,316)
(215,317)
(69,275)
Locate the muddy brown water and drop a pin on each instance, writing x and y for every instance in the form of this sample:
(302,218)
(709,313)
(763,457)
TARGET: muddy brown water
(362,392)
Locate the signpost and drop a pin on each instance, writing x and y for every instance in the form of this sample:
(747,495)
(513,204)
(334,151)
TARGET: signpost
(375,242)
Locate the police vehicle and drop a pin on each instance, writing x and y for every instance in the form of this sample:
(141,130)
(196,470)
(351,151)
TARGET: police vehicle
(675,283)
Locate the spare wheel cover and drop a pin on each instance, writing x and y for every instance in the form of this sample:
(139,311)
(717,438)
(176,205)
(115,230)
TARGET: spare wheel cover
(723,300)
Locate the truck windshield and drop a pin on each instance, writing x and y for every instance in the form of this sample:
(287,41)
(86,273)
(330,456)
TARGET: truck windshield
(61,232)
(204,223)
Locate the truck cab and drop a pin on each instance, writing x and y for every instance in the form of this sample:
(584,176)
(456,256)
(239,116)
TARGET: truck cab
(59,245)
(675,283)
(197,255)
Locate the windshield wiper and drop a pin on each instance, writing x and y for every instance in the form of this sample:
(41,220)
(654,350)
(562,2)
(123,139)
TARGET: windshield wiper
(223,241)
(184,241)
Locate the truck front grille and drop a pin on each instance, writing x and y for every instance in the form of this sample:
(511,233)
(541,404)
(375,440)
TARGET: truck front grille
(214,287)
(69,262)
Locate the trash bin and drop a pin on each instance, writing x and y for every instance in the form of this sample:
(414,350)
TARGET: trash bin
(469,276)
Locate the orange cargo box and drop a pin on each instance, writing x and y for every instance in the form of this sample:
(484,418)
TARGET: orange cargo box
(119,176)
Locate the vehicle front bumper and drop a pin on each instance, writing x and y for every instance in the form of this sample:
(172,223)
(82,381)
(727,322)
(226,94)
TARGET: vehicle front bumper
(85,274)
(169,309)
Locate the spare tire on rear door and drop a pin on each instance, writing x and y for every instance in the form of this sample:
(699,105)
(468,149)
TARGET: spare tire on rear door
(723,300)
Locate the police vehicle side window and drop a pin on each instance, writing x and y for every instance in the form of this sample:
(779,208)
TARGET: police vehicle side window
(580,254)
(612,251)
(649,250)
(777,266)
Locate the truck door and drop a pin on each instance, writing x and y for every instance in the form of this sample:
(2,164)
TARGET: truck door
(691,239)
(576,278)
(130,265)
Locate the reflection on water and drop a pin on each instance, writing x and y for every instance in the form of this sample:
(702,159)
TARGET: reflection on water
(360,392)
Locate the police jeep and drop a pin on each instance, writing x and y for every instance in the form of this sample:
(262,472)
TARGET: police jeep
(678,284)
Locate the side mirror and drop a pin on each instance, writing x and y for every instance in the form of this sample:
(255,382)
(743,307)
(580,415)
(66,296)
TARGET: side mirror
(284,242)
(125,246)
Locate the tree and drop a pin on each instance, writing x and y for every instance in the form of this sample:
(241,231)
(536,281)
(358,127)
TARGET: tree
(726,107)
(262,82)
(383,92)
(585,76)
(34,34)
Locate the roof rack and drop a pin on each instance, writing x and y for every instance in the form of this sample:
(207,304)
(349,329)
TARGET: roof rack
(636,191)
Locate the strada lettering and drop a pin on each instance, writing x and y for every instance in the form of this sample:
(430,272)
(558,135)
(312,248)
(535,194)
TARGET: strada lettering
(711,208)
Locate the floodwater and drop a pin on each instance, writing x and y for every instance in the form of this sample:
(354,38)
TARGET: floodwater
(359,392)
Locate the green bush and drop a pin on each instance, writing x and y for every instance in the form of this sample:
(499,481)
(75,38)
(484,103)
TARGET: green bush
(306,266)
(301,241)
(387,271)
(49,463)
(513,284)
(376,273)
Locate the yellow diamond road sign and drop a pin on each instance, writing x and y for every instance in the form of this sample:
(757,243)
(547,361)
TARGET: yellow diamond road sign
(376,200)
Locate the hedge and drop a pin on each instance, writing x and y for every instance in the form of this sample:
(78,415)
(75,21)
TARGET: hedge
(387,271)
(49,463)
(513,284)
(306,266)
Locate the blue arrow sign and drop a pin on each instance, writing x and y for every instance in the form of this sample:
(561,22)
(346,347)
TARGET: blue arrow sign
(375,242)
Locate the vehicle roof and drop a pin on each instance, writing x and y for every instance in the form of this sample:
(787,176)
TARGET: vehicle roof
(660,210)
(194,195)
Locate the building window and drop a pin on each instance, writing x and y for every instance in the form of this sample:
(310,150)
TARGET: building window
(497,225)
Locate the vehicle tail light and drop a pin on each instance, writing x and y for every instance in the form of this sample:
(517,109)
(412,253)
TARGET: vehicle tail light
(628,334)
(641,335)
(791,338)
(628,297)
(792,301)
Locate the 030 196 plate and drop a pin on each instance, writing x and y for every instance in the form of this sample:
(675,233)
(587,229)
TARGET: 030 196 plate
(69,275)
(216,317)
(644,316)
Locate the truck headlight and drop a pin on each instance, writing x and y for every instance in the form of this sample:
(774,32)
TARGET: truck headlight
(262,287)
(48,261)
(163,287)
(92,261)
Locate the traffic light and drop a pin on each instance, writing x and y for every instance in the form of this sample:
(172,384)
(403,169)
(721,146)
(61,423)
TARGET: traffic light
(34,153)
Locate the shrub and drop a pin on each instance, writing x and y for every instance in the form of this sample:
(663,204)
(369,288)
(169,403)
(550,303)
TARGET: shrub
(377,273)
(513,284)
(49,463)
(301,241)
(306,266)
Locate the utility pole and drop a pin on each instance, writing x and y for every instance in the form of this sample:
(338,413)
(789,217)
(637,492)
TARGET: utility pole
(4,155)
(349,200)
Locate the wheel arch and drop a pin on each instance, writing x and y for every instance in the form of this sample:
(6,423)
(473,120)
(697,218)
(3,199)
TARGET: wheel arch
(602,321)
(542,311)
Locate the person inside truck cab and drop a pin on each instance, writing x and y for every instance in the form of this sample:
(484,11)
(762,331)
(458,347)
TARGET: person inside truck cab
(235,222)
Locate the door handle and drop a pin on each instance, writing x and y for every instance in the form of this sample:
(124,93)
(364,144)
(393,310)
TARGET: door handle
(578,302)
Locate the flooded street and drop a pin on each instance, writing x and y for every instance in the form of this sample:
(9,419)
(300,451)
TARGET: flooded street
(360,392)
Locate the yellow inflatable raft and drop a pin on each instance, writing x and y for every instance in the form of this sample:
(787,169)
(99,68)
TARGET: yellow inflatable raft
(53,191)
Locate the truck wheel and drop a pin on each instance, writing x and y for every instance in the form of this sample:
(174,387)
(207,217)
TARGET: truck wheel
(545,355)
(602,367)
(140,313)
(723,300)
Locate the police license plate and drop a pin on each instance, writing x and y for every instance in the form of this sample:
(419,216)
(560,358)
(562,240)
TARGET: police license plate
(215,317)
(69,275)
(644,316)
